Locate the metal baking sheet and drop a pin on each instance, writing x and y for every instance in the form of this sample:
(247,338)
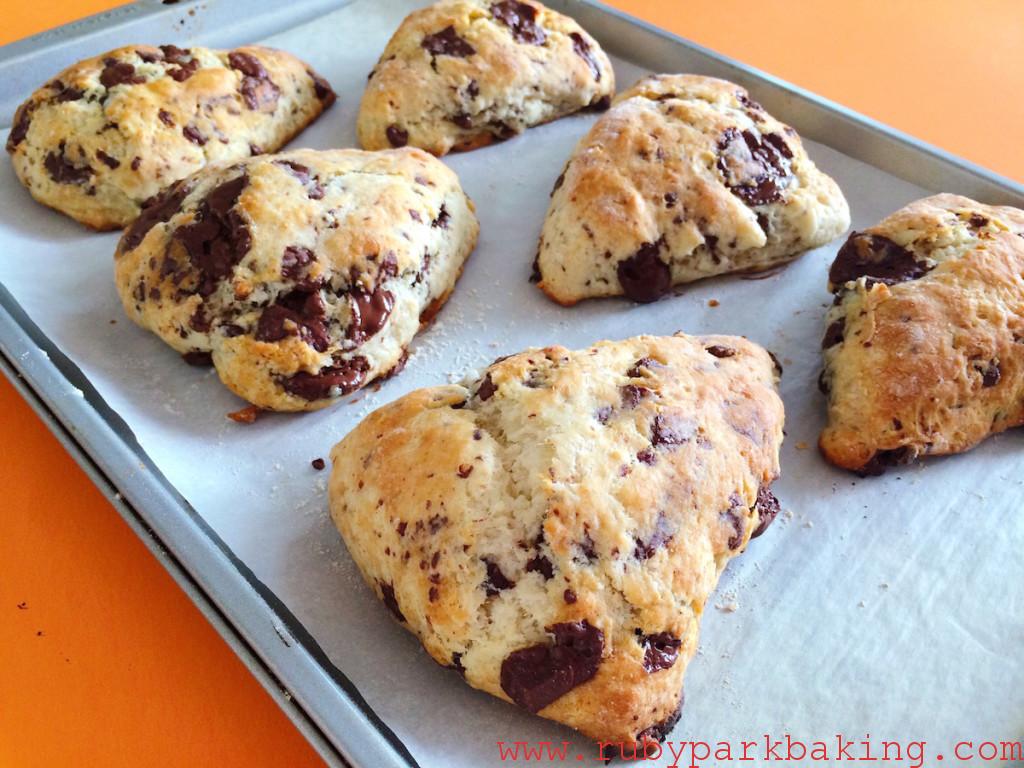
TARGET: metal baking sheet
(864,588)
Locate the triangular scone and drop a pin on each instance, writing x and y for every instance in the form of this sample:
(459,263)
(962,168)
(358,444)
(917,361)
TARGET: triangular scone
(111,132)
(553,531)
(685,177)
(924,352)
(461,74)
(301,276)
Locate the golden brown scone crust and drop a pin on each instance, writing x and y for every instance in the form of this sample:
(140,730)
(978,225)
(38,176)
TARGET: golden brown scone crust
(924,352)
(301,276)
(685,177)
(460,74)
(570,508)
(111,132)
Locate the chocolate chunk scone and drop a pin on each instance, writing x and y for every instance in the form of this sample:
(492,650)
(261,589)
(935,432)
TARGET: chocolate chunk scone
(924,348)
(553,530)
(111,132)
(461,74)
(685,177)
(300,276)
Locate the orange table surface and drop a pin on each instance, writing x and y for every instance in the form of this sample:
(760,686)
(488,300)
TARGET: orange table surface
(105,662)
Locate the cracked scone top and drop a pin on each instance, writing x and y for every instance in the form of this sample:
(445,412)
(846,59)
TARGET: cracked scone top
(301,276)
(924,348)
(685,177)
(553,531)
(111,132)
(460,74)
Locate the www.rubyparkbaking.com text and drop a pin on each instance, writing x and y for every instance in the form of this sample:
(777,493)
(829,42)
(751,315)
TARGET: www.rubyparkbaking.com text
(768,750)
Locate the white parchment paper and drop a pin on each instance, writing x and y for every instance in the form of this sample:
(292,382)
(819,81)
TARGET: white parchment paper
(891,606)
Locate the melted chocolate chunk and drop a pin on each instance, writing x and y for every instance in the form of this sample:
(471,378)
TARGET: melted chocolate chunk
(587,546)
(198,358)
(463,120)
(397,137)
(521,19)
(748,102)
(107,160)
(660,650)
(306,177)
(136,162)
(660,536)
(601,104)
(118,73)
(823,384)
(19,130)
(671,198)
(165,118)
(875,257)
(540,564)
(496,580)
(219,237)
(644,276)
(883,460)
(632,395)
(736,523)
(671,430)
(442,219)
(719,351)
(156,211)
(294,261)
(322,89)
(756,168)
(172,54)
(345,376)
(534,677)
(977,221)
(183,68)
(457,664)
(370,312)
(990,374)
(638,367)
(387,592)
(63,170)
(448,43)
(487,388)
(260,95)
(834,333)
(660,731)
(297,313)
(69,93)
(582,49)
(647,456)
(767,507)
(558,183)
(194,135)
(258,91)
(318,464)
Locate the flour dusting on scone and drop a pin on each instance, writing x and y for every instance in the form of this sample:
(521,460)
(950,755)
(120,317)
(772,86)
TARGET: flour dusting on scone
(301,276)
(684,178)
(924,348)
(111,132)
(553,530)
(461,74)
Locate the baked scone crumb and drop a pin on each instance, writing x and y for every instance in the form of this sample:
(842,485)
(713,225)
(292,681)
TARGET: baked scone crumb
(553,529)
(685,177)
(301,276)
(461,74)
(111,132)
(924,343)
